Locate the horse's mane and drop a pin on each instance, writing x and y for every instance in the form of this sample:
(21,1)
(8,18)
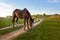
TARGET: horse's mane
(28,13)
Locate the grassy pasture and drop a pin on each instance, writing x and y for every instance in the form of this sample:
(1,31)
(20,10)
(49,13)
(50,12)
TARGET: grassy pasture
(47,30)
(4,22)
(54,17)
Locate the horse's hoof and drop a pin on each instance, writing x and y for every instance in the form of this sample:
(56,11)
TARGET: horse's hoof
(24,29)
(28,28)
(31,29)
(13,26)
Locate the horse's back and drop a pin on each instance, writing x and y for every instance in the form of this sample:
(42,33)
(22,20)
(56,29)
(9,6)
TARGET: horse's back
(22,13)
(17,13)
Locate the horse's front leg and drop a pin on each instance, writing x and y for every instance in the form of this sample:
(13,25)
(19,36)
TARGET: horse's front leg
(31,25)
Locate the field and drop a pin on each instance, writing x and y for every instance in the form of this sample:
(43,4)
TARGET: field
(54,17)
(4,22)
(47,30)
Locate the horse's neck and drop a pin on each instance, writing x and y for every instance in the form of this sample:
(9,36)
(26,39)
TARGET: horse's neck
(28,13)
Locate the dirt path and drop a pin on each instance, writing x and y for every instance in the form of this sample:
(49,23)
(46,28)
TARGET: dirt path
(9,27)
(14,34)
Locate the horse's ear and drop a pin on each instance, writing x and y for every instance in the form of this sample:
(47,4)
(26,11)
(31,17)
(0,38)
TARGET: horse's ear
(25,9)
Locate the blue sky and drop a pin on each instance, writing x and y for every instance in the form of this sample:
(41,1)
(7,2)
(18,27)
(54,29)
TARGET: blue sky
(34,6)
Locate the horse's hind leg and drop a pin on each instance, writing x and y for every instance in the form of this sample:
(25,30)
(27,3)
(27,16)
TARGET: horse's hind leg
(24,24)
(16,21)
(13,20)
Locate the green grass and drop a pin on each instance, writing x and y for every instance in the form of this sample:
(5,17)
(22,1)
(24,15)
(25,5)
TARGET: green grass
(5,31)
(4,22)
(47,30)
(54,17)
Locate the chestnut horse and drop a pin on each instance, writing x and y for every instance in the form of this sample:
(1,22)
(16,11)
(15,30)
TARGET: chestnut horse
(23,14)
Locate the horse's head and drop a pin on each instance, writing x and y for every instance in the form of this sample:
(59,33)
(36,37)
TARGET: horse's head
(32,20)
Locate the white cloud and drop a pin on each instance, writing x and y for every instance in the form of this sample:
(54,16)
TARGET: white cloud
(53,1)
(5,4)
(5,9)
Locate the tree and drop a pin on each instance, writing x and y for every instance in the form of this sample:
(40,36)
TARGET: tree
(44,14)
